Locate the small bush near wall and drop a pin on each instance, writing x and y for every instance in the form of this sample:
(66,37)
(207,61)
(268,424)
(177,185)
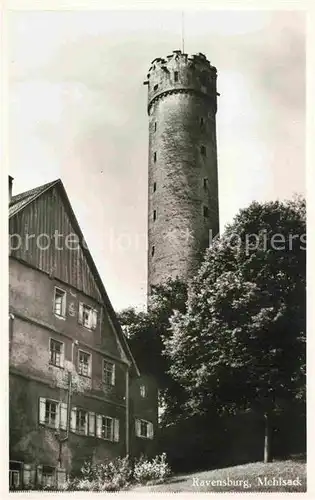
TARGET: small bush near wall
(120,473)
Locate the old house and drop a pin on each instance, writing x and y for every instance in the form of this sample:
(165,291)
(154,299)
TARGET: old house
(76,392)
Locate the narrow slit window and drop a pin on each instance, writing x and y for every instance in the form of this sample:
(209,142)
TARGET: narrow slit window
(205,183)
(156,87)
(155,126)
(154,187)
(153,251)
(205,211)
(154,215)
(202,122)
(175,76)
(154,156)
(203,150)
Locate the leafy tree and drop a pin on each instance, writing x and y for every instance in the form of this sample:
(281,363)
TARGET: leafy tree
(241,342)
(146,332)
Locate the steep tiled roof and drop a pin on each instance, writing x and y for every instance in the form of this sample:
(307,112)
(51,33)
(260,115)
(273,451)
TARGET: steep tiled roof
(19,201)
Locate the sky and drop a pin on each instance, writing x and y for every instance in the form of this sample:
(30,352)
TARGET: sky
(77,111)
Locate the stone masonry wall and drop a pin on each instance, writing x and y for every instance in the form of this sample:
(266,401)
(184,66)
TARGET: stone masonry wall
(183,180)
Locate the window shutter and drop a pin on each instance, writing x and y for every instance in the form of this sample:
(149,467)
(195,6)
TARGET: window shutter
(138,427)
(150,430)
(63,416)
(113,375)
(91,423)
(62,356)
(80,317)
(99,425)
(94,319)
(73,419)
(42,407)
(39,475)
(57,421)
(86,426)
(116,430)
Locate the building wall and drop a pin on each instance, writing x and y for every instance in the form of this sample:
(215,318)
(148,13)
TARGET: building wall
(182,179)
(31,295)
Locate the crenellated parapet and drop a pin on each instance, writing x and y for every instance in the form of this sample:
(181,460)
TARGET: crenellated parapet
(181,73)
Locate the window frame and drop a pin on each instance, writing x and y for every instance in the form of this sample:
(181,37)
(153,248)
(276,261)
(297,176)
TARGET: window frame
(203,150)
(93,316)
(63,303)
(89,375)
(62,353)
(143,390)
(149,428)
(57,413)
(113,373)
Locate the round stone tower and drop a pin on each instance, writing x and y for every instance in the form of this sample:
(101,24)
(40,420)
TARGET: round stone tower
(183,181)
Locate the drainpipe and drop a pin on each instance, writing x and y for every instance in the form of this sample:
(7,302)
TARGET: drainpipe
(127,412)
(62,440)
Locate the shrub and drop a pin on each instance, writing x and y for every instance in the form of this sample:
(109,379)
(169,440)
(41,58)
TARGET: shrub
(156,470)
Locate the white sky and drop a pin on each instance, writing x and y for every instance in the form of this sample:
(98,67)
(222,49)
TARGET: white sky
(78,112)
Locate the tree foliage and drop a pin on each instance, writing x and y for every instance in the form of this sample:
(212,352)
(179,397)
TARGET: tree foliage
(241,342)
(147,331)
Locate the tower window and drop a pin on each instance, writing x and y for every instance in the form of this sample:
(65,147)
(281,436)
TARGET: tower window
(154,187)
(154,156)
(203,150)
(175,76)
(156,87)
(205,183)
(154,215)
(205,211)
(154,126)
(153,250)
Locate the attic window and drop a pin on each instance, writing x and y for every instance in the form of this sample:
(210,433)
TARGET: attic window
(156,87)
(175,76)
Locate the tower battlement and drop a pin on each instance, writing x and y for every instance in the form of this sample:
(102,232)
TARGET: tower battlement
(179,72)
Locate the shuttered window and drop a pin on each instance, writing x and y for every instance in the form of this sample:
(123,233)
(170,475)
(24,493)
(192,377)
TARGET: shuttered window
(144,429)
(107,428)
(53,413)
(87,316)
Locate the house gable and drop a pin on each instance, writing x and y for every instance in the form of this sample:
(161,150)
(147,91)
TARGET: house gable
(45,234)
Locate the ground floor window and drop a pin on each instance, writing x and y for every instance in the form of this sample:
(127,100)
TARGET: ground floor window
(15,475)
(48,476)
